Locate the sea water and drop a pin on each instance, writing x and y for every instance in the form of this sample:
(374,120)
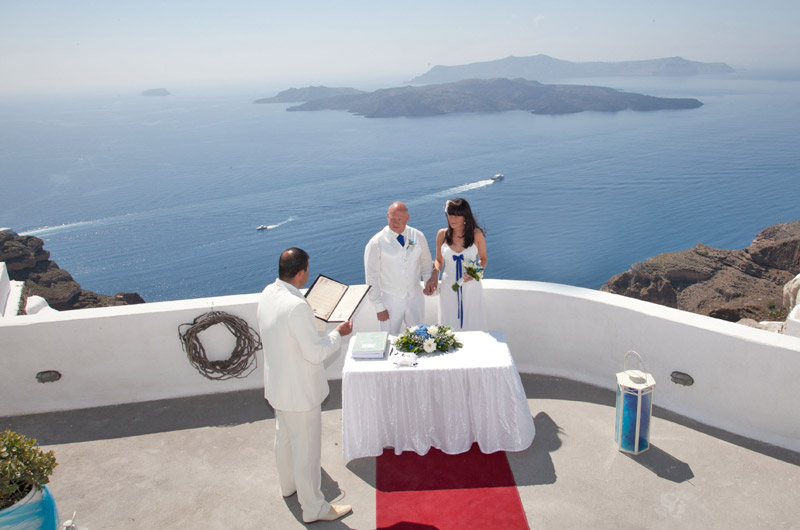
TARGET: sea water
(162,195)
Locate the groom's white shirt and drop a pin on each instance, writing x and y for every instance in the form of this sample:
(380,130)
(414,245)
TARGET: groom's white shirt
(393,269)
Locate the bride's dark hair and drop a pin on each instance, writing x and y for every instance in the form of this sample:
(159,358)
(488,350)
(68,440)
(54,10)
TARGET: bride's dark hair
(460,207)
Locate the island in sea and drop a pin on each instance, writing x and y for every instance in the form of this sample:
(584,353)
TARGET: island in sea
(545,68)
(311,93)
(492,95)
(155,92)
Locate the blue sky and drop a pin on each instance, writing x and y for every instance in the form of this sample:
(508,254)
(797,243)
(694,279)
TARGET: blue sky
(75,44)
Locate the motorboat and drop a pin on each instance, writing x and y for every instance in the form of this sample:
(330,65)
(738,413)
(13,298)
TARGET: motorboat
(498,177)
(262,227)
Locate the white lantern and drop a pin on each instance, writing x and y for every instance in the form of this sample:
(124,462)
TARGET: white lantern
(634,407)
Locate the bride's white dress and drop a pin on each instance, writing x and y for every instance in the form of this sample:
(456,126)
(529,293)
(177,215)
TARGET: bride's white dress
(463,310)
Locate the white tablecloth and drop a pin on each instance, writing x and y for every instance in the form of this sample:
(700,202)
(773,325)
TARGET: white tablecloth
(448,401)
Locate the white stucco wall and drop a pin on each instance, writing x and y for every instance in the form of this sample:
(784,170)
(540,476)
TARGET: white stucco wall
(121,354)
(5,288)
(793,322)
(745,378)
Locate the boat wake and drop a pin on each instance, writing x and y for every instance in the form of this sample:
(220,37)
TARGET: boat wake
(276,225)
(465,187)
(452,192)
(67,227)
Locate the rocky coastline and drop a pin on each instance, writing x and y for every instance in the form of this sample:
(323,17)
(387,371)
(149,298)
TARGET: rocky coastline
(27,261)
(733,285)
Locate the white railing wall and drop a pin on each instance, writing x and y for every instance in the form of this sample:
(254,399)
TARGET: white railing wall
(793,322)
(745,379)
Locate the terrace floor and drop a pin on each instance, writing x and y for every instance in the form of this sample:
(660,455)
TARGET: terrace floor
(206,462)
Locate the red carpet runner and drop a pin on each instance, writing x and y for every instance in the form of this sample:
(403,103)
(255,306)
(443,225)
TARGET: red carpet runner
(447,492)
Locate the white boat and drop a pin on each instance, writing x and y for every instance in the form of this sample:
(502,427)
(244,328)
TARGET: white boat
(262,227)
(498,177)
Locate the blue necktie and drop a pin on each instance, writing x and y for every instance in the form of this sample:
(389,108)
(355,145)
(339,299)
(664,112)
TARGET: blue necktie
(459,259)
(401,240)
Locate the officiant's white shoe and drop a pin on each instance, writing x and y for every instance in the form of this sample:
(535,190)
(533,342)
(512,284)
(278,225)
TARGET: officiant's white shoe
(334,513)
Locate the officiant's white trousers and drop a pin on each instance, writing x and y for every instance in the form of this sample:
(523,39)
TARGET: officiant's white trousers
(403,312)
(298,455)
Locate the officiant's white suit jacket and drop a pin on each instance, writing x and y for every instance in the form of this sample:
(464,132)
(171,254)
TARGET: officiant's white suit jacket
(394,269)
(294,376)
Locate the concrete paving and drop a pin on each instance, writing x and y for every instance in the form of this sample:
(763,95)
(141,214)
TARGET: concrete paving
(206,462)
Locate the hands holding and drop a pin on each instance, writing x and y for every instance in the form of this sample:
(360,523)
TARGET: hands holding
(431,286)
(383,316)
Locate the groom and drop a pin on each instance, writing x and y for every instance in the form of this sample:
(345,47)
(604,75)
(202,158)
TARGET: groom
(394,261)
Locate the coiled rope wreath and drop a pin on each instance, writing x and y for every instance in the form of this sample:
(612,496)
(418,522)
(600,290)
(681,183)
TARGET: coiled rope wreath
(242,360)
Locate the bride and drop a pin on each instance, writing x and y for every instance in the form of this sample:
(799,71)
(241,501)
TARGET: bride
(458,244)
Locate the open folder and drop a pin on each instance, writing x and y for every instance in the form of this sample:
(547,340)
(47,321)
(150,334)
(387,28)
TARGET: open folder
(333,301)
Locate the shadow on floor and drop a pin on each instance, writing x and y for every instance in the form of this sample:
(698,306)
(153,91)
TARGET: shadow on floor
(663,464)
(332,493)
(149,417)
(247,406)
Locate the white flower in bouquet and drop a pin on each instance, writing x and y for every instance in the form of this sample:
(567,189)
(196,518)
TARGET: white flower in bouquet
(429,345)
(433,331)
(472,268)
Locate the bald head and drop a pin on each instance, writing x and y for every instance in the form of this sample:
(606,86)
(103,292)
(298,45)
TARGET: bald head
(397,217)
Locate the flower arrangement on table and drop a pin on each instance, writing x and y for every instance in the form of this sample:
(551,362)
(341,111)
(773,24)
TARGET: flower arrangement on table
(427,339)
(471,268)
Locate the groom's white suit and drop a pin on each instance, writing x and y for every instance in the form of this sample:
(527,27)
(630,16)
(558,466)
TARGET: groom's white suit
(393,272)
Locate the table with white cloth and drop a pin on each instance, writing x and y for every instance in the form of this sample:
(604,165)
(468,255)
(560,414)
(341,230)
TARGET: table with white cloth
(448,401)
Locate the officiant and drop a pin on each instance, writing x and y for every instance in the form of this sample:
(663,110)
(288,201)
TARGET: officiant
(295,383)
(396,260)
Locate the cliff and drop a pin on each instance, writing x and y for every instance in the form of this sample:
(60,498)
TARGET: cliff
(726,284)
(27,261)
(545,68)
(494,95)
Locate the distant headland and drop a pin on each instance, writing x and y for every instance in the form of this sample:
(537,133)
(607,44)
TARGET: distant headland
(544,68)
(493,95)
(311,93)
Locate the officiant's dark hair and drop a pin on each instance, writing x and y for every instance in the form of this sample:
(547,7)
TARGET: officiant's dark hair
(461,208)
(293,260)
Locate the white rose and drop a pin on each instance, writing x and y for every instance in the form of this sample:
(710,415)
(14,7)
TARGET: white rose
(433,330)
(429,345)
(449,333)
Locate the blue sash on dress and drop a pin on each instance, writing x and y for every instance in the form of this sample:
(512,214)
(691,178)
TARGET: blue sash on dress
(459,259)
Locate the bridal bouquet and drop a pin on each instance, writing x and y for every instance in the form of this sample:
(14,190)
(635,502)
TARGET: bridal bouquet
(427,339)
(472,268)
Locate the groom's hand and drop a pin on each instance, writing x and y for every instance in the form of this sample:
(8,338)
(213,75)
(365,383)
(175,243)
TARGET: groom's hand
(383,316)
(430,286)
